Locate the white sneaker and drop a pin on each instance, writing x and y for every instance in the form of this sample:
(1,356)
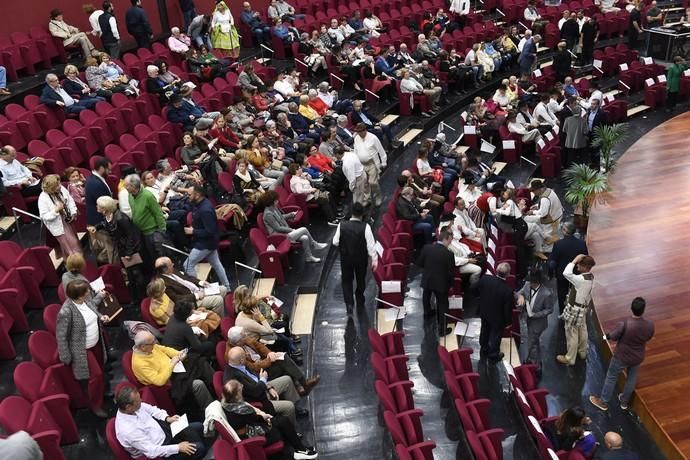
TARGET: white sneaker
(320,245)
(313,259)
(306,454)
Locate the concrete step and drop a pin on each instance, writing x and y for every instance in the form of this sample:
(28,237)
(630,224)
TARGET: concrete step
(638,109)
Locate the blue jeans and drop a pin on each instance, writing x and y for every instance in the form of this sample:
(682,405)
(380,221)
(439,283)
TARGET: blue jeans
(426,227)
(197,255)
(203,40)
(3,77)
(615,368)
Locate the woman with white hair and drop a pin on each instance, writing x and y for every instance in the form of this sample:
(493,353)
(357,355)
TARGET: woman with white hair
(224,35)
(58,210)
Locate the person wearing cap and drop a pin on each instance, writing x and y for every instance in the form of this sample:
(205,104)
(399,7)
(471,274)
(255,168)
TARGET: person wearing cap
(373,157)
(547,213)
(575,312)
(70,35)
(536,302)
(177,113)
(196,112)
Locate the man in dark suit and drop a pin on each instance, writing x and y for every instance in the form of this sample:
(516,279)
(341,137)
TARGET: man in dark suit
(138,25)
(536,302)
(407,209)
(438,264)
(55,96)
(180,286)
(495,310)
(95,187)
(373,124)
(563,252)
(345,135)
(614,449)
(259,389)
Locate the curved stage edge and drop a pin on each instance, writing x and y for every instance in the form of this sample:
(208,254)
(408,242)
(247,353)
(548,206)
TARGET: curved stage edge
(639,239)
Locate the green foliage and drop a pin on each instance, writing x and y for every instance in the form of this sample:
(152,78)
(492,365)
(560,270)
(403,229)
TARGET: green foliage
(585,186)
(605,138)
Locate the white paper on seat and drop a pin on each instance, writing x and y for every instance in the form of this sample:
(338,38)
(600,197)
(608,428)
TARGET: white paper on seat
(461,328)
(490,260)
(199,316)
(535,424)
(394,314)
(280,355)
(198,331)
(647,61)
(661,78)
(537,73)
(649,82)
(508,368)
(624,67)
(98,284)
(212,289)
(390,287)
(179,368)
(541,144)
(549,136)
(179,425)
(455,302)
(494,231)
(521,395)
(487,147)
(279,331)
(469,129)
(556,129)
(509,144)
(597,63)
(687,73)
(276,301)
(552,454)
(379,249)
(610,98)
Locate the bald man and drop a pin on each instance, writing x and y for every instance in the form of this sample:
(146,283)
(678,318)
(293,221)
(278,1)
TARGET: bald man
(614,449)
(276,396)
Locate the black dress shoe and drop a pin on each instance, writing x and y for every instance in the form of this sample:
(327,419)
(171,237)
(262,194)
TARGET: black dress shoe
(301,413)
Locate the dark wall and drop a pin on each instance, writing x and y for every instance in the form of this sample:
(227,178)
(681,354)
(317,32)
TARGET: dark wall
(21,15)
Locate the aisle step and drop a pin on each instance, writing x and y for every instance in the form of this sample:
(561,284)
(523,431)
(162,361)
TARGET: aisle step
(304,311)
(510,351)
(389,119)
(263,287)
(203,270)
(410,136)
(637,109)
(6,223)
(499,165)
(57,261)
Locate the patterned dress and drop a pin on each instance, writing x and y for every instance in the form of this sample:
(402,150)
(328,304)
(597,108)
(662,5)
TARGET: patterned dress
(223,32)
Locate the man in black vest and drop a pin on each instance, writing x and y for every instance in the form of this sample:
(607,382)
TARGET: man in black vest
(357,246)
(438,264)
(109,33)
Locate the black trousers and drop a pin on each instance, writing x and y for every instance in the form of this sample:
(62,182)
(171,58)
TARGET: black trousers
(441,305)
(283,430)
(350,272)
(490,339)
(143,41)
(562,286)
(671,99)
(286,367)
(194,434)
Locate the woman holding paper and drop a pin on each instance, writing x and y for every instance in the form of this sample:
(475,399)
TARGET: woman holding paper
(179,334)
(162,309)
(80,342)
(74,266)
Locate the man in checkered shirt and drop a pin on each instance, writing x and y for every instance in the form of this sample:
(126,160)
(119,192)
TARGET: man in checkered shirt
(575,313)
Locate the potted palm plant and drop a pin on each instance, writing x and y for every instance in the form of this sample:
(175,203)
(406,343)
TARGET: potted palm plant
(605,137)
(585,187)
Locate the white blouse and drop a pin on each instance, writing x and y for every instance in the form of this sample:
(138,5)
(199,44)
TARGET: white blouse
(91,321)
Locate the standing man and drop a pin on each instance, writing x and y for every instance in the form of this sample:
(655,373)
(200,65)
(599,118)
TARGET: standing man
(188,12)
(373,157)
(495,310)
(356,242)
(634,26)
(109,33)
(138,25)
(528,55)
(438,264)
(547,214)
(356,178)
(204,233)
(575,312)
(147,215)
(565,250)
(536,302)
(631,337)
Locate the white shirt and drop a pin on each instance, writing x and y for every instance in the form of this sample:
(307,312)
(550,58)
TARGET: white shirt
(522,42)
(368,236)
(91,321)
(284,87)
(95,26)
(554,107)
(66,98)
(423,167)
(123,201)
(470,196)
(336,34)
(561,22)
(352,168)
(327,98)
(531,14)
(544,116)
(15,173)
(583,287)
(466,224)
(370,149)
(141,435)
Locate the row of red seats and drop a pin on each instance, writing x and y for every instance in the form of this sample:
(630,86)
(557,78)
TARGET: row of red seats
(21,51)
(394,390)
(531,402)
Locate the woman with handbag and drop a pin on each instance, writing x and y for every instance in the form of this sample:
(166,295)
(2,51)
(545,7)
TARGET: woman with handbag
(58,210)
(81,344)
(249,421)
(300,185)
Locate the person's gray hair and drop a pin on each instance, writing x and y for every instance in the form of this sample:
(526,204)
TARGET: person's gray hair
(162,164)
(270,124)
(235,334)
(107,203)
(368,59)
(312,92)
(175,30)
(568,228)
(134,180)
(292,106)
(503,270)
(342,120)
(536,37)
(143,338)
(323,85)
(125,396)
(50,76)
(151,70)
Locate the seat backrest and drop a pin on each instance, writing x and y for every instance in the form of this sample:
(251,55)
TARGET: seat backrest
(476,446)
(258,239)
(145,309)
(50,314)
(127,369)
(394,428)
(14,414)
(28,377)
(115,446)
(43,349)
(223,449)
(386,398)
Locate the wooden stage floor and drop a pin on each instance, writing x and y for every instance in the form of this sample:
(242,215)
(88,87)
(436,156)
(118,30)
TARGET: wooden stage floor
(640,240)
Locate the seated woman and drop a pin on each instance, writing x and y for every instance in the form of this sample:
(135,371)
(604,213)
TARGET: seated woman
(319,161)
(96,77)
(250,311)
(117,76)
(227,139)
(432,175)
(248,421)
(373,25)
(275,222)
(568,431)
(261,161)
(173,202)
(75,184)
(406,208)
(155,85)
(203,69)
(300,185)
(180,335)
(162,309)
(501,97)
(78,90)
(245,184)
(165,75)
(511,221)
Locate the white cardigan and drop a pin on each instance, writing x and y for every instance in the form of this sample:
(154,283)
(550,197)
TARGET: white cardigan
(51,218)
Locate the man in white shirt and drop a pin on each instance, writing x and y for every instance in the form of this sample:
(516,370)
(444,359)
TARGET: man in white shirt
(409,85)
(575,313)
(565,17)
(373,157)
(285,87)
(94,14)
(54,96)
(15,174)
(543,115)
(335,33)
(470,193)
(461,253)
(524,39)
(547,213)
(179,42)
(465,225)
(356,178)
(144,430)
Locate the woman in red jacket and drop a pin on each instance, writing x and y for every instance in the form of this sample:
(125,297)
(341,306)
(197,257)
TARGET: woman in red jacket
(227,139)
(318,160)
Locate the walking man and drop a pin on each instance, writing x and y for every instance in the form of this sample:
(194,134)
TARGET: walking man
(356,242)
(631,337)
(495,311)
(110,36)
(536,302)
(204,233)
(576,308)
(438,264)
(373,158)
(565,250)
(358,184)
(138,25)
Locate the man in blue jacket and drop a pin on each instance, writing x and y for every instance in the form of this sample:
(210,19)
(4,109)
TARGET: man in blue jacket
(260,30)
(138,25)
(96,187)
(54,95)
(204,233)
(184,113)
